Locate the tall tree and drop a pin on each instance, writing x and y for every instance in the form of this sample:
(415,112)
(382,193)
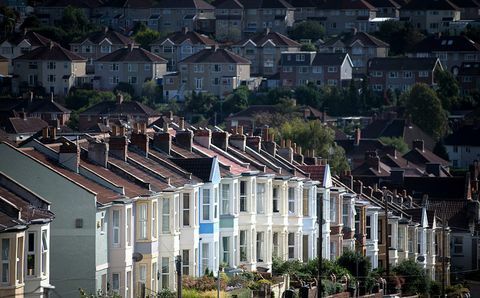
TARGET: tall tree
(401,37)
(448,89)
(311,30)
(146,37)
(425,109)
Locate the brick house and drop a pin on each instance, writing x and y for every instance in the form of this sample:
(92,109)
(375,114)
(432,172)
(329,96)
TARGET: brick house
(217,71)
(451,50)
(301,68)
(131,65)
(401,73)
(179,45)
(264,50)
(360,46)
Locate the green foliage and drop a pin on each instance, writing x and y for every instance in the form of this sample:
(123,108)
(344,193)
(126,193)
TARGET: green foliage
(8,20)
(166,293)
(414,278)
(311,30)
(99,294)
(124,87)
(457,290)
(310,47)
(146,36)
(422,101)
(440,150)
(309,95)
(313,135)
(200,103)
(236,101)
(82,99)
(448,89)
(349,260)
(75,23)
(396,142)
(401,37)
(30,22)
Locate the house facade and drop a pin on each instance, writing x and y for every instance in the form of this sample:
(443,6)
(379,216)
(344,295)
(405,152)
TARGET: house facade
(431,16)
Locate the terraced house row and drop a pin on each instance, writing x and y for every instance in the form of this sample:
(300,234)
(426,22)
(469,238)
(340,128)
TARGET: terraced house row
(125,205)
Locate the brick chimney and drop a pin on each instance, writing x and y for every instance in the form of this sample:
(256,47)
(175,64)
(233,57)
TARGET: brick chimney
(358,136)
(418,144)
(397,176)
(203,136)
(238,139)
(310,158)
(184,139)
(372,160)
(220,139)
(139,137)
(286,151)
(118,143)
(98,153)
(163,140)
(69,156)
(297,155)
(358,187)
(268,140)
(254,142)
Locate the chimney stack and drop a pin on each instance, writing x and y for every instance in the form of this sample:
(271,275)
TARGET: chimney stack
(139,137)
(220,139)
(69,156)
(203,136)
(119,98)
(390,150)
(418,144)
(163,140)
(358,187)
(184,30)
(254,142)
(372,160)
(358,136)
(286,152)
(238,140)
(184,139)
(433,168)
(98,153)
(118,143)
(397,176)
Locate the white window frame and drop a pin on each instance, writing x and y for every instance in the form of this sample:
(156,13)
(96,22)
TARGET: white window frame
(154,219)
(165,216)
(116,228)
(142,221)
(291,200)
(206,204)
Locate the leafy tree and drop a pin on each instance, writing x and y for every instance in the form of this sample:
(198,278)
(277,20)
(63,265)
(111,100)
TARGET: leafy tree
(152,92)
(401,37)
(146,37)
(448,89)
(472,32)
(31,22)
(314,135)
(236,101)
(415,279)
(8,20)
(440,150)
(124,88)
(310,47)
(425,109)
(309,95)
(82,99)
(396,142)
(75,24)
(200,103)
(355,263)
(311,30)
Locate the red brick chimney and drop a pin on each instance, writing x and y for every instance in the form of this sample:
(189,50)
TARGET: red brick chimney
(139,137)
(254,142)
(184,139)
(286,151)
(220,139)
(163,140)
(118,143)
(238,139)
(203,136)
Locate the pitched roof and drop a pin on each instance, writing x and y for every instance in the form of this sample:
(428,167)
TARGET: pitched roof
(446,44)
(348,39)
(17,125)
(183,35)
(125,108)
(430,5)
(277,38)
(200,167)
(466,3)
(35,39)
(317,172)
(467,135)
(384,3)
(198,4)
(228,4)
(402,63)
(420,157)
(52,52)
(113,36)
(324,59)
(215,56)
(46,106)
(132,54)
(253,4)
(346,4)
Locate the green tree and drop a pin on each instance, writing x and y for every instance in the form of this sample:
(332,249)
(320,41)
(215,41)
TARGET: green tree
(82,99)
(425,109)
(314,135)
(152,92)
(309,95)
(31,22)
(8,20)
(146,37)
(414,276)
(124,87)
(236,101)
(401,37)
(200,103)
(396,142)
(308,46)
(311,30)
(75,24)
(448,89)
(355,263)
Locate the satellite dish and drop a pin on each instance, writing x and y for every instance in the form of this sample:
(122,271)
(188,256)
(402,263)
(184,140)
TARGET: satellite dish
(421,259)
(137,257)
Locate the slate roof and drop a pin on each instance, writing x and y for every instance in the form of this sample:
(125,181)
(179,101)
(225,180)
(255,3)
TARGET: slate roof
(468,135)
(253,4)
(420,157)
(200,167)
(198,4)
(349,38)
(402,63)
(51,52)
(132,55)
(346,4)
(430,5)
(46,106)
(125,108)
(277,38)
(435,43)
(324,59)
(317,172)
(215,56)
(229,167)
(35,39)
(17,125)
(181,36)
(113,36)
(397,128)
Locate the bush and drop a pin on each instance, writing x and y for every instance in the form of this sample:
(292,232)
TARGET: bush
(414,277)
